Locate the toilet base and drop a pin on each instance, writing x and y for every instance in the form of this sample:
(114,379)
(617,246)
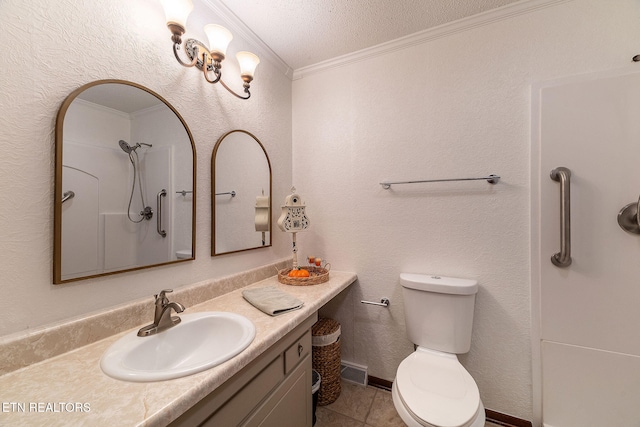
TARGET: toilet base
(410,421)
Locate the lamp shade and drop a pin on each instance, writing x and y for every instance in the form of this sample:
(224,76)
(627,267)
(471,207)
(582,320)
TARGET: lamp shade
(219,38)
(248,63)
(293,217)
(177,11)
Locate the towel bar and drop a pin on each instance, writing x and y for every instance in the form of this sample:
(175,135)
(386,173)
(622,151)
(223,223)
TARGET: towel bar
(491,179)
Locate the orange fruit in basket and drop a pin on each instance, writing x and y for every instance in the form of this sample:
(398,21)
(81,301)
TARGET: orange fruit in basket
(300,272)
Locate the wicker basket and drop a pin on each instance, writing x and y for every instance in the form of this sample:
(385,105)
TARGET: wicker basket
(317,275)
(326,359)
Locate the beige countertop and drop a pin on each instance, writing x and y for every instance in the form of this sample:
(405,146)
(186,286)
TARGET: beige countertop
(71,389)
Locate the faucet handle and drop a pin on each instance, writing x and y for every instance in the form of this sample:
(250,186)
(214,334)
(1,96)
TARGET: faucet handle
(161,296)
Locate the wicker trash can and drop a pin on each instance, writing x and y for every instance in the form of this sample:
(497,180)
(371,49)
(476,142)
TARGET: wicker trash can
(326,359)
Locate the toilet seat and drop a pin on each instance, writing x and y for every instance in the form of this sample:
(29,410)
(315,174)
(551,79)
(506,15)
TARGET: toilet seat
(437,391)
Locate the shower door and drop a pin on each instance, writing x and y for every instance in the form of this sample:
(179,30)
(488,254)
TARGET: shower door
(586,317)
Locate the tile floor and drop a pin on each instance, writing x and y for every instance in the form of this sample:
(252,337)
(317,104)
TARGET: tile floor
(360,406)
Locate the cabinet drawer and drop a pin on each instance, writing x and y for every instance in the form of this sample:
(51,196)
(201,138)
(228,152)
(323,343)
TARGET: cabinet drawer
(294,354)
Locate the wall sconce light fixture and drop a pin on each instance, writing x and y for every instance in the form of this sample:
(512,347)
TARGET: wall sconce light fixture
(209,60)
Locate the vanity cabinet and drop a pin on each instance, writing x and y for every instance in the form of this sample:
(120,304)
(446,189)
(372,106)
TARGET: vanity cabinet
(274,390)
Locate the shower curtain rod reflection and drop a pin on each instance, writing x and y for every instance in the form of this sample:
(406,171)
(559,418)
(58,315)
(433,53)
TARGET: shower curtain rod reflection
(491,179)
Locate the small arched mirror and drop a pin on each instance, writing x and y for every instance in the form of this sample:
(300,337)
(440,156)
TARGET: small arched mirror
(241,194)
(125,182)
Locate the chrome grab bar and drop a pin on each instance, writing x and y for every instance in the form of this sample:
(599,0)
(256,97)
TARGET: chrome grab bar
(563,176)
(161,194)
(232,192)
(68,195)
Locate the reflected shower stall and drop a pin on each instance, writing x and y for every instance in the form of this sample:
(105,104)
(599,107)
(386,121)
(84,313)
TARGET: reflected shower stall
(115,221)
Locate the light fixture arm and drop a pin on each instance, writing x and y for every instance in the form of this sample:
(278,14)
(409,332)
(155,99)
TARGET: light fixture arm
(209,62)
(176,48)
(246,90)
(216,70)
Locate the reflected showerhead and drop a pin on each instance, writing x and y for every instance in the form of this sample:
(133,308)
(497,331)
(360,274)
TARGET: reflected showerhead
(125,147)
(128,149)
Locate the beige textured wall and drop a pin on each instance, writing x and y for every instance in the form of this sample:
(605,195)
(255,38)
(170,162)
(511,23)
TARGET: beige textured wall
(51,48)
(458,105)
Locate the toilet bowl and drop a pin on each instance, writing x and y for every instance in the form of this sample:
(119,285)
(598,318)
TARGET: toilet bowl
(432,388)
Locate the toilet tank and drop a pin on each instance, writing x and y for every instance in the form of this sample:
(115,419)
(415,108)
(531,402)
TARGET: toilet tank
(439,311)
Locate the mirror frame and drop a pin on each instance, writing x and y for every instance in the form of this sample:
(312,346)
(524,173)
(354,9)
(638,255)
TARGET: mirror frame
(213,197)
(57,227)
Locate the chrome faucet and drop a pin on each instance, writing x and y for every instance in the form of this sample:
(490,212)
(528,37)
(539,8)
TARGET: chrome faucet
(162,318)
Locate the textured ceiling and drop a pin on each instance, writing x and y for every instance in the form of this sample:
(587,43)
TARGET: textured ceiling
(306,32)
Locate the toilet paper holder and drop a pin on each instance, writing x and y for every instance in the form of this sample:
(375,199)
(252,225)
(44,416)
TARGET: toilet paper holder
(384,302)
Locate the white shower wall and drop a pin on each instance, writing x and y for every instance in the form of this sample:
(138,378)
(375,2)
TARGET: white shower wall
(160,127)
(587,312)
(92,132)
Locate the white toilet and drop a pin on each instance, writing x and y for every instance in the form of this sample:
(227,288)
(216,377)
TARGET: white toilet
(432,388)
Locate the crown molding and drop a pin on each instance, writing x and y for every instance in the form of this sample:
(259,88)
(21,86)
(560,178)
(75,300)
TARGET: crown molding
(236,26)
(461,25)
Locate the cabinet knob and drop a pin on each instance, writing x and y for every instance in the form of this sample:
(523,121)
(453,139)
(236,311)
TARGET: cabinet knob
(300,349)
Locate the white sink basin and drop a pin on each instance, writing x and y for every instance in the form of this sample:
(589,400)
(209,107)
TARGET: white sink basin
(201,341)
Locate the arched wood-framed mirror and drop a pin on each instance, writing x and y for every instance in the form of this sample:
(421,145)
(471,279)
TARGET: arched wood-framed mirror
(240,194)
(125,179)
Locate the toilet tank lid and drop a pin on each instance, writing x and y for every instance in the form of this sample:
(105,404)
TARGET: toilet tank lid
(441,284)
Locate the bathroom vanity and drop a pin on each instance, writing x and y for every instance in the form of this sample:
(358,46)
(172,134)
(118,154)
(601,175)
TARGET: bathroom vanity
(273,390)
(268,384)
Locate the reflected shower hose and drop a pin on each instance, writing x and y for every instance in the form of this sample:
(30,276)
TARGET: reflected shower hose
(136,170)
(146,212)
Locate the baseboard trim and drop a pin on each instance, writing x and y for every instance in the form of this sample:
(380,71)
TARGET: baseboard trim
(379,383)
(505,420)
(491,415)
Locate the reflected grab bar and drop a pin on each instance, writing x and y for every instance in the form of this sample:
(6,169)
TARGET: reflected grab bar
(161,194)
(563,176)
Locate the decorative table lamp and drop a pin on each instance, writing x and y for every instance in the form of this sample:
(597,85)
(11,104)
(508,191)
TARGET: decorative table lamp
(293,219)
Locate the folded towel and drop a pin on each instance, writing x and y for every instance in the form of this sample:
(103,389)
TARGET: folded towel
(271,300)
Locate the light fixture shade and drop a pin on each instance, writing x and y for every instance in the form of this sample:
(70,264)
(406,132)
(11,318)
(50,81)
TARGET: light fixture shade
(177,11)
(293,217)
(248,63)
(219,38)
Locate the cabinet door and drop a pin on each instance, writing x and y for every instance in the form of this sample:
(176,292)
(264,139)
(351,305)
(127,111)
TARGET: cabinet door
(236,409)
(290,405)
